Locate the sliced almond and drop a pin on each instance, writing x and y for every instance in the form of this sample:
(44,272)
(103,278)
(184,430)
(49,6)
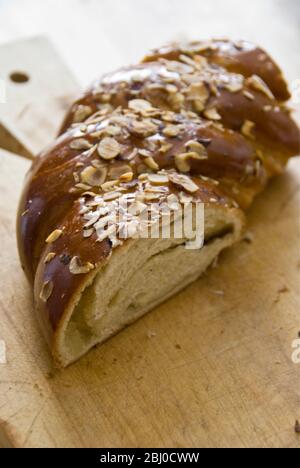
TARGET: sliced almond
(198,94)
(212,114)
(127,177)
(188,60)
(54,236)
(98,134)
(259,85)
(182,160)
(93,176)
(81,186)
(247,128)
(171,88)
(171,131)
(116,171)
(132,155)
(176,100)
(103,222)
(80,144)
(113,130)
(178,67)
(92,220)
(165,147)
(150,196)
(139,105)
(158,179)
(248,95)
(143,177)
(234,86)
(169,116)
(152,164)
(156,189)
(49,257)
(88,232)
(144,128)
(81,113)
(197,147)
(184,182)
(76,267)
(102,235)
(109,185)
(109,148)
(110,196)
(46,291)
(145,153)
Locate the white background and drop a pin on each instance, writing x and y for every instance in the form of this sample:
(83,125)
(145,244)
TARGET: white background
(95,36)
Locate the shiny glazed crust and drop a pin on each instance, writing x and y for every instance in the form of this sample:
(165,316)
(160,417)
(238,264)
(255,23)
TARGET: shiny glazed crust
(204,121)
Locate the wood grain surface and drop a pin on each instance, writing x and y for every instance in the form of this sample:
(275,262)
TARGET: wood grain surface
(213,366)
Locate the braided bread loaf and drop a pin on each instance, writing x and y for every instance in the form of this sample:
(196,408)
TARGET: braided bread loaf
(201,122)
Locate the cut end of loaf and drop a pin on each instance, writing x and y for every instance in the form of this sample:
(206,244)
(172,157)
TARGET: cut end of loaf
(140,275)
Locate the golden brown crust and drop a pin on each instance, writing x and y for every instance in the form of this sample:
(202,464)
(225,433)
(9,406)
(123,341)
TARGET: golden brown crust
(214,111)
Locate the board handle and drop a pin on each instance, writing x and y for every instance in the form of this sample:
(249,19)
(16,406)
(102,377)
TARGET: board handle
(36,89)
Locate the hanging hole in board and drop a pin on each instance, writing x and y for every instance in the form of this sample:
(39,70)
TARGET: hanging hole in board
(19,77)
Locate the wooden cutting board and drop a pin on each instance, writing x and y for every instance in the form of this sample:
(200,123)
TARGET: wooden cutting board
(212,367)
(37,90)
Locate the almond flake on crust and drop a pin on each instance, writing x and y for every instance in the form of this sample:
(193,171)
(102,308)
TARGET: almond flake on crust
(144,128)
(158,179)
(80,144)
(234,86)
(182,160)
(50,256)
(82,112)
(171,131)
(248,95)
(93,176)
(109,148)
(152,164)
(247,128)
(126,177)
(76,267)
(54,236)
(259,85)
(139,105)
(197,147)
(198,94)
(46,291)
(212,114)
(184,181)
